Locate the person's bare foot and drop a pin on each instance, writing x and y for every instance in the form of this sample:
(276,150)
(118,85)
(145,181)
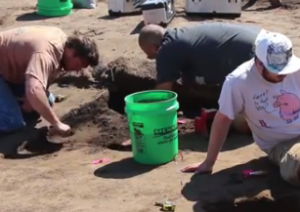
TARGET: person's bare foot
(126,143)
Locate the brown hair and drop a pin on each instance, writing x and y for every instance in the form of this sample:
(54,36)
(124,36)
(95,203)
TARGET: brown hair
(85,48)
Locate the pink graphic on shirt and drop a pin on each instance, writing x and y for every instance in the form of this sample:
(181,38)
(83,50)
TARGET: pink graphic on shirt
(289,106)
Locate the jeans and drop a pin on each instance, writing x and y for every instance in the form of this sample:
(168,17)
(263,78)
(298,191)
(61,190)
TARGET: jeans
(11,118)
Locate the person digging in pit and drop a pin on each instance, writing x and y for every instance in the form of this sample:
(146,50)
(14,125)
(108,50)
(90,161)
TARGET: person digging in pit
(31,58)
(265,90)
(202,54)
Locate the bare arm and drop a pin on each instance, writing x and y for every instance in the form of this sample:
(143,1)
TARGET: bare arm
(231,103)
(168,67)
(37,74)
(218,136)
(36,95)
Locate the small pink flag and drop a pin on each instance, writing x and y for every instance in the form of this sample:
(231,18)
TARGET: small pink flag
(103,160)
(181,121)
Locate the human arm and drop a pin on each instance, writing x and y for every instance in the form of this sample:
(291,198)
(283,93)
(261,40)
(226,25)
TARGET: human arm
(219,131)
(168,66)
(230,104)
(37,75)
(36,95)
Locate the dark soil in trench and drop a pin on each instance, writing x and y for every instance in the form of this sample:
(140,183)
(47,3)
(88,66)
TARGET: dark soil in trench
(111,127)
(124,76)
(102,122)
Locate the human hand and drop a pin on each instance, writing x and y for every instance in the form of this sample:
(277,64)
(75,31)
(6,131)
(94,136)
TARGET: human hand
(60,129)
(204,167)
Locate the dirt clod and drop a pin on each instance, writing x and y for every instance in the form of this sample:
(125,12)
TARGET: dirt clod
(124,76)
(130,75)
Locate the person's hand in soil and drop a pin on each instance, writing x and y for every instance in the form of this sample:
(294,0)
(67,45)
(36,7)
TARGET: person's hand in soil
(202,168)
(60,129)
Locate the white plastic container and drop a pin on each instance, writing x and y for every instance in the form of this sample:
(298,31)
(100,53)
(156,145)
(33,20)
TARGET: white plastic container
(159,12)
(225,7)
(118,7)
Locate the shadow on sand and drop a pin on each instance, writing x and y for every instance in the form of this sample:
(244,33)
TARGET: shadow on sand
(32,16)
(123,169)
(26,143)
(223,191)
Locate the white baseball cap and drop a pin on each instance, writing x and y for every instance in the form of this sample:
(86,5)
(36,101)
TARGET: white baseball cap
(275,51)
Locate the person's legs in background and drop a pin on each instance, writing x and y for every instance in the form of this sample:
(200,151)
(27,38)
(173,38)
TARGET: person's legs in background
(11,118)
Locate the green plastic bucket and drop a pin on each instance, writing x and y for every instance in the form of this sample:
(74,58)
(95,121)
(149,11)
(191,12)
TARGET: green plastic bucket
(54,8)
(152,119)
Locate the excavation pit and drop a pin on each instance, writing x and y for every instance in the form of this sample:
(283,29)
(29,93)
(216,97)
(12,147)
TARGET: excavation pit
(125,76)
(96,125)
(102,122)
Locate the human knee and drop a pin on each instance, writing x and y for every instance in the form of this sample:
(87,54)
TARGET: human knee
(11,118)
(9,124)
(290,167)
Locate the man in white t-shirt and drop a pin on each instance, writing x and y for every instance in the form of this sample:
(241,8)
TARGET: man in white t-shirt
(266,91)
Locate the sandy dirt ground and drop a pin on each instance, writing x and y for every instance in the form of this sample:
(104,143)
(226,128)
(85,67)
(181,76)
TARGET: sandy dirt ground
(59,176)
